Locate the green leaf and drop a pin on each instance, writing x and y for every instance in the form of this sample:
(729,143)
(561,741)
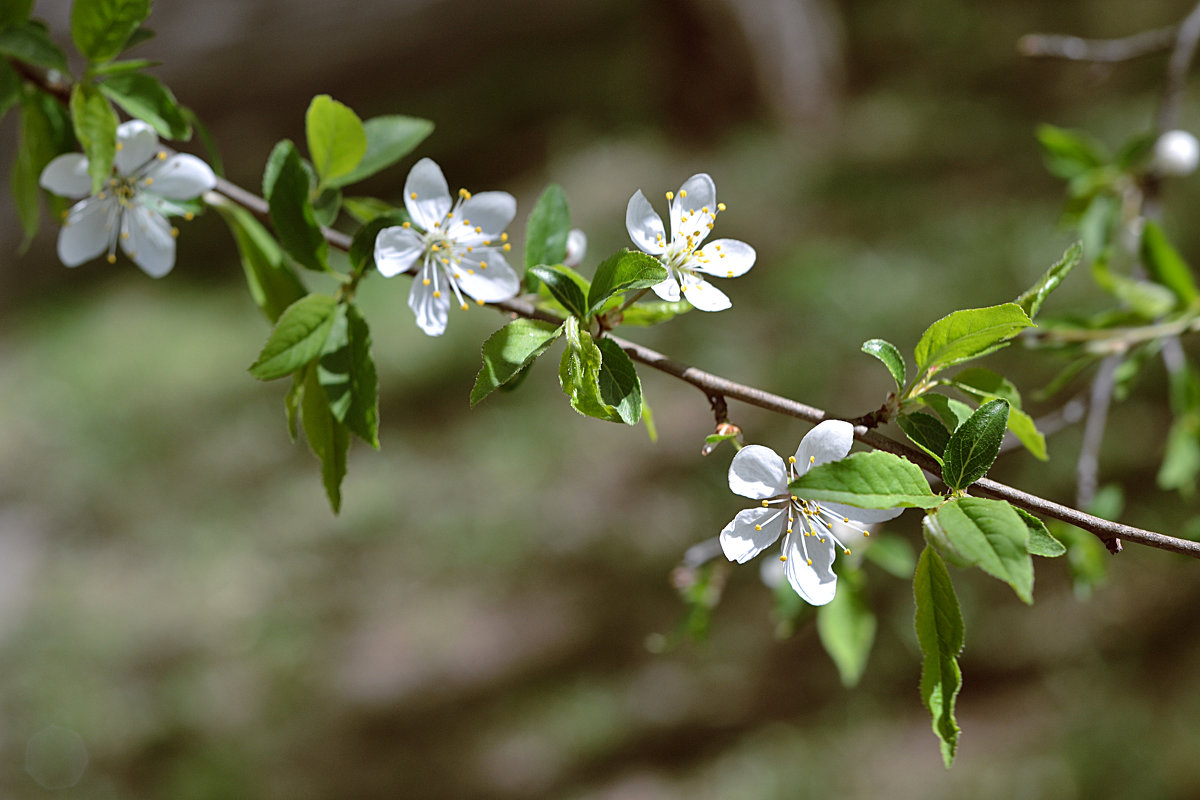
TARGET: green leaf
(1097,222)
(337,140)
(868,480)
(926,432)
(347,373)
(973,448)
(14,11)
(1181,461)
(292,401)
(100,28)
(365,209)
(272,283)
(509,351)
(985,385)
(953,412)
(10,87)
(121,67)
(142,96)
(567,286)
(547,228)
(1069,153)
(1165,265)
(328,438)
(891,357)
(940,632)
(1147,299)
(989,534)
(1031,299)
(622,272)
(389,139)
(846,626)
(1040,542)
(140,35)
(643,315)
(298,338)
(95,125)
(29,42)
(579,374)
(968,334)
(291,212)
(362,246)
(326,206)
(893,554)
(620,387)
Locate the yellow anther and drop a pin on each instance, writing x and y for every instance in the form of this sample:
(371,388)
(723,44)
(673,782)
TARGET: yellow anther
(720,206)
(162,155)
(845,519)
(435,247)
(729,274)
(783,558)
(478,229)
(470,249)
(764,503)
(791,459)
(464,307)
(405,224)
(507,247)
(683,193)
(120,147)
(148,181)
(450,215)
(413,195)
(795,499)
(101,195)
(446,261)
(174,231)
(812,459)
(470,272)
(479,301)
(124,234)
(846,550)
(457,276)
(866,533)
(487,242)
(425,282)
(189,216)
(704,210)
(437,293)
(437,224)
(483,265)
(810,562)
(464,194)
(670,195)
(758,527)
(504,237)
(112,258)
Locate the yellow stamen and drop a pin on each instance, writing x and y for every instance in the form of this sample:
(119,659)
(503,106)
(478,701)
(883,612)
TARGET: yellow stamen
(189,216)
(791,459)
(478,229)
(470,272)
(479,301)
(812,459)
(413,195)
(162,155)
(112,259)
(174,231)
(148,181)
(483,265)
(670,195)
(682,193)
(437,293)
(120,147)
(464,307)
(406,224)
(507,247)
(425,282)
(783,558)
(758,527)
(720,206)
(504,237)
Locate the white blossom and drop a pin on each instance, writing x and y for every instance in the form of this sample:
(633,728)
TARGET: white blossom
(1176,153)
(133,206)
(807,527)
(456,246)
(693,211)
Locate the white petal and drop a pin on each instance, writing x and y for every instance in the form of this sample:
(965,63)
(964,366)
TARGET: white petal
(180,177)
(866,516)
(497,282)
(491,211)
(758,472)
(137,143)
(146,238)
(725,258)
(431,311)
(431,202)
(816,583)
(397,249)
(829,441)
(67,176)
(694,208)
(576,247)
(706,297)
(667,290)
(645,226)
(86,231)
(741,542)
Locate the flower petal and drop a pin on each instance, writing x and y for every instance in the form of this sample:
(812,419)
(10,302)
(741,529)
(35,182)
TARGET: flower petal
(740,541)
(576,247)
(146,238)
(829,441)
(491,211)
(758,472)
(397,249)
(429,301)
(668,289)
(865,516)
(180,177)
(86,231)
(137,143)
(694,208)
(497,282)
(645,226)
(426,195)
(67,175)
(816,583)
(725,258)
(706,297)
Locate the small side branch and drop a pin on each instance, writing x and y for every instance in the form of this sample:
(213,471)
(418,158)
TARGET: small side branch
(1098,51)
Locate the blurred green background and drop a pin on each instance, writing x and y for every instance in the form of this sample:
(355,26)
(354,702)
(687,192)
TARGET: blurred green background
(182,617)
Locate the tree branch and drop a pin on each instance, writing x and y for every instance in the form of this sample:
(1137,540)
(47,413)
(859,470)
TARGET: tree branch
(1097,51)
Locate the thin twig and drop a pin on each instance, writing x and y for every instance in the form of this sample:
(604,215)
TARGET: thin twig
(1177,68)
(1097,51)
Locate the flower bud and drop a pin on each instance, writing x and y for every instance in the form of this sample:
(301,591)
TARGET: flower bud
(1176,153)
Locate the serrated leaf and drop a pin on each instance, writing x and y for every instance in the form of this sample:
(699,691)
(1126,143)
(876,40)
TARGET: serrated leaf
(298,337)
(846,627)
(508,352)
(940,632)
(579,373)
(567,286)
(143,97)
(1069,153)
(327,438)
(868,480)
(389,139)
(100,28)
(989,534)
(1041,542)
(1165,265)
(622,272)
(968,334)
(547,228)
(653,313)
(287,184)
(620,386)
(891,357)
(29,42)
(337,140)
(1031,300)
(346,372)
(973,448)
(272,283)
(952,412)
(926,432)
(95,125)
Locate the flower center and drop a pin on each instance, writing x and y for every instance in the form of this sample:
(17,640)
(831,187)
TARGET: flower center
(447,243)
(815,521)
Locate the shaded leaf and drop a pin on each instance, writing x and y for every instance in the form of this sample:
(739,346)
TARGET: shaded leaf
(287,190)
(940,632)
(100,28)
(509,351)
(29,42)
(298,337)
(973,447)
(623,271)
(926,432)
(846,627)
(389,139)
(1165,265)
(989,534)
(142,96)
(1041,542)
(891,357)
(567,286)
(620,387)
(95,125)
(327,438)
(272,283)
(347,374)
